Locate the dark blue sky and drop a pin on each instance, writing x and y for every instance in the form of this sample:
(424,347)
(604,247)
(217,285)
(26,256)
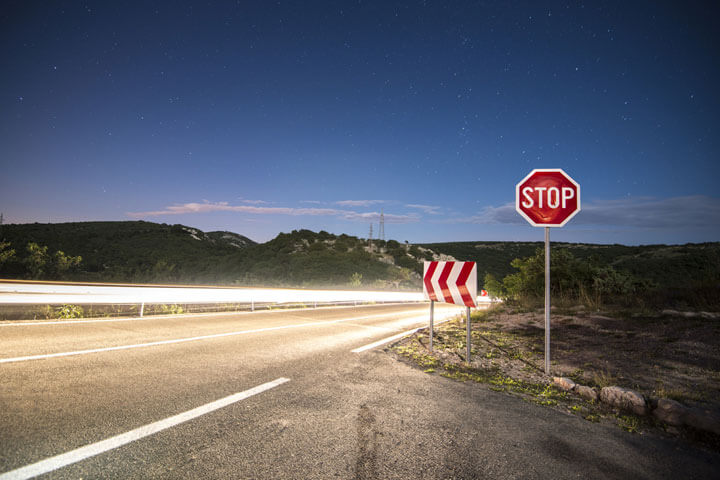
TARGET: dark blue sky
(262,117)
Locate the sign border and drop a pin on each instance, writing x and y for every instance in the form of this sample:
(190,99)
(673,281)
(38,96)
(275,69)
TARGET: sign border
(525,216)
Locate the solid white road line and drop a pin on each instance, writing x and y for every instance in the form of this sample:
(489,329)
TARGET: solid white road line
(190,339)
(74,456)
(385,340)
(394,337)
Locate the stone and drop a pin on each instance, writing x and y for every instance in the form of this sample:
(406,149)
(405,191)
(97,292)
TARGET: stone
(705,420)
(564,383)
(625,399)
(670,412)
(588,393)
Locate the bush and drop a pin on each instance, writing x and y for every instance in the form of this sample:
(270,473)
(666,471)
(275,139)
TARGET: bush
(571,281)
(70,311)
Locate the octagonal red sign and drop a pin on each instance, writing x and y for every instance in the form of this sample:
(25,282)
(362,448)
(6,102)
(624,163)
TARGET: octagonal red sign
(547,197)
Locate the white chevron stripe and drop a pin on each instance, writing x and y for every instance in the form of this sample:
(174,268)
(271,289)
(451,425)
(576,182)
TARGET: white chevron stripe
(452,282)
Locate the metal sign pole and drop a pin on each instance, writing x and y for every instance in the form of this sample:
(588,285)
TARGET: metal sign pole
(432,315)
(467,356)
(547,300)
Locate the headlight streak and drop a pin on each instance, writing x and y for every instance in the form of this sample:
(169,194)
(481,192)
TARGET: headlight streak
(51,294)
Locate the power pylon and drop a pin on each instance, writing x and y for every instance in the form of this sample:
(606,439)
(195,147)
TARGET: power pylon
(382,226)
(370,238)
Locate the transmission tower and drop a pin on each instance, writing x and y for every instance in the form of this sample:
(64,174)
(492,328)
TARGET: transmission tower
(370,238)
(381,234)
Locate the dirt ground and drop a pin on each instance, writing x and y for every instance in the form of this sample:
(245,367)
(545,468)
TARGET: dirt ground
(672,355)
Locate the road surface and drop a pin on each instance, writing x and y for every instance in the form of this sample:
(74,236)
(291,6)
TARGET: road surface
(283,394)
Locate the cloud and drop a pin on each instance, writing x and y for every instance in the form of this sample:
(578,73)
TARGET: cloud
(649,212)
(388,217)
(254,202)
(429,209)
(207,207)
(696,211)
(359,203)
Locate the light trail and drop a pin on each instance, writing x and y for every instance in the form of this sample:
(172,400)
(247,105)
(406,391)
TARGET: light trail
(56,293)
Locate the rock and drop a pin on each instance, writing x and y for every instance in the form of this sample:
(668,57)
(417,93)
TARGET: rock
(706,420)
(670,412)
(588,393)
(564,383)
(625,399)
(678,415)
(703,315)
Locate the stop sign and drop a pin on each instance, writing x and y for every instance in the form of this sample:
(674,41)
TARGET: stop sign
(547,197)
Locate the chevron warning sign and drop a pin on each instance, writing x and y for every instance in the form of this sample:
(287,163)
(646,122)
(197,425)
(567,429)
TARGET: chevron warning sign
(451,282)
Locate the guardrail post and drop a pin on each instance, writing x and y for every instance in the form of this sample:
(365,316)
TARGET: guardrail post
(142,308)
(432,315)
(468,335)
(252,305)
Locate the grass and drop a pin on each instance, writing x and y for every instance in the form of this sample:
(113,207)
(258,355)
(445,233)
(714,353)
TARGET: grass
(629,423)
(604,379)
(542,394)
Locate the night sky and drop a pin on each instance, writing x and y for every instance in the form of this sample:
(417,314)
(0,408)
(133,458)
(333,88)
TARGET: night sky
(264,117)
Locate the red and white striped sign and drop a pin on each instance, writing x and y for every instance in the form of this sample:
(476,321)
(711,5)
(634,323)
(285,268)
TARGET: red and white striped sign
(451,282)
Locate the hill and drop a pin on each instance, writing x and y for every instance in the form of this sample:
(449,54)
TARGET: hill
(666,266)
(127,251)
(145,252)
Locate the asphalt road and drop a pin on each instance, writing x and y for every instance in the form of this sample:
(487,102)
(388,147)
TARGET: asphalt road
(330,413)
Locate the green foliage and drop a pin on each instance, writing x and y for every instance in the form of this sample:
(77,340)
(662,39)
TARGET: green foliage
(144,252)
(570,279)
(40,264)
(356,279)
(36,260)
(70,311)
(493,286)
(173,309)
(6,253)
(63,263)
(592,283)
(690,272)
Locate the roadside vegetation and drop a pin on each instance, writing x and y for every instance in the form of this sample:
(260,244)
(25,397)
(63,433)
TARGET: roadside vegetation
(653,276)
(647,322)
(663,356)
(684,277)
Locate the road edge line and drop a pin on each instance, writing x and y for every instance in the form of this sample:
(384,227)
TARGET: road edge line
(93,449)
(394,337)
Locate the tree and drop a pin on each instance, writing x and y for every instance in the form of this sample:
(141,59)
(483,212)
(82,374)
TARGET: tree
(6,253)
(64,263)
(398,275)
(356,279)
(493,286)
(40,264)
(36,261)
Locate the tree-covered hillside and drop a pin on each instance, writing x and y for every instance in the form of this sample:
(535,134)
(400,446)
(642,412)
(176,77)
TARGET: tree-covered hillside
(126,251)
(664,265)
(148,252)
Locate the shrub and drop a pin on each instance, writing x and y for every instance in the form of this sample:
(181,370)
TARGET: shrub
(69,311)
